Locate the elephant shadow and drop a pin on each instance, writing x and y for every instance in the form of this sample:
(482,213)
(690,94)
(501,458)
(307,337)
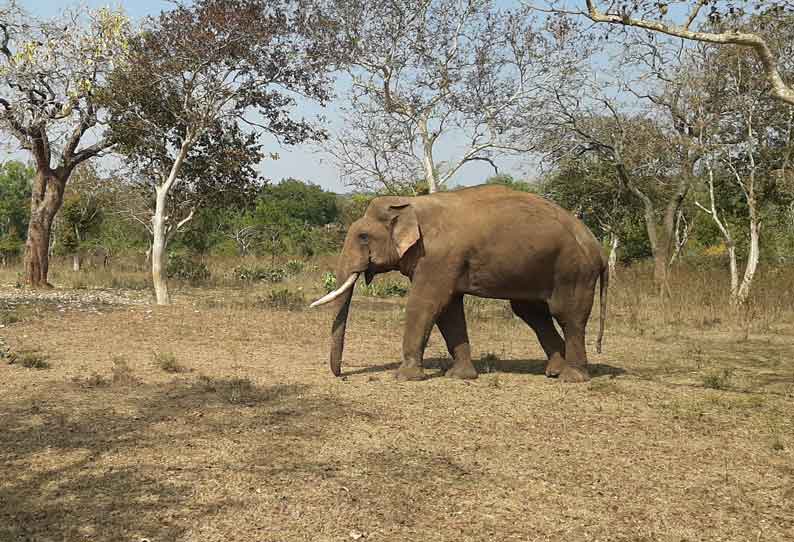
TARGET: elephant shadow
(485,366)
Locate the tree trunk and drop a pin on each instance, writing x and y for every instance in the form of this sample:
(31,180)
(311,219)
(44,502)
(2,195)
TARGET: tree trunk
(76,262)
(45,201)
(612,261)
(158,249)
(753,255)
(431,175)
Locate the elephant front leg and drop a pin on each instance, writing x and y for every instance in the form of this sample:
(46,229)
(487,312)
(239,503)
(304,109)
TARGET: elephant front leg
(424,306)
(452,324)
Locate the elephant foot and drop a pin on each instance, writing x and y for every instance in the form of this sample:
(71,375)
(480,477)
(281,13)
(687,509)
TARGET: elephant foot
(571,374)
(405,374)
(555,366)
(464,371)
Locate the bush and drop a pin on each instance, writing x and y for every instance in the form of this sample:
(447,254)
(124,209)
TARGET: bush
(168,363)
(294,267)
(285,299)
(386,288)
(264,274)
(30,359)
(182,268)
(329,281)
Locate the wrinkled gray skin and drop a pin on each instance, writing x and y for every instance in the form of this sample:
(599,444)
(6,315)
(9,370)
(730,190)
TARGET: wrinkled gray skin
(487,241)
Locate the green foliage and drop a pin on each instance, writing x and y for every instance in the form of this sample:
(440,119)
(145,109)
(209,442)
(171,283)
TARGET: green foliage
(353,207)
(30,359)
(329,281)
(718,381)
(294,267)
(285,299)
(508,181)
(184,268)
(15,182)
(386,288)
(264,274)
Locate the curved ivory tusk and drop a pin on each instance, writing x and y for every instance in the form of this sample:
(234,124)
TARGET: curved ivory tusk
(336,293)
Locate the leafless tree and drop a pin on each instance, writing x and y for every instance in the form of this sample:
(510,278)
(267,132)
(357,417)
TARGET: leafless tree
(711,21)
(433,74)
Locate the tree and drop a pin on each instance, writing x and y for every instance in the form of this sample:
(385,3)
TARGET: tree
(15,182)
(749,149)
(189,82)
(433,73)
(510,182)
(711,21)
(589,188)
(51,75)
(82,213)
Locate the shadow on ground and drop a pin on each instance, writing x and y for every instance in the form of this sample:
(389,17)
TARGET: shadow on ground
(512,366)
(77,468)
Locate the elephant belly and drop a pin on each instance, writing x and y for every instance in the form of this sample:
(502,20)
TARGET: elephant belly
(526,274)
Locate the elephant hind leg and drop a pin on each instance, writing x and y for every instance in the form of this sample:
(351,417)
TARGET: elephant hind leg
(537,316)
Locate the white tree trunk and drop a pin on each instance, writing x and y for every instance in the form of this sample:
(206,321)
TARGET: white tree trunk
(612,261)
(76,262)
(159,225)
(431,175)
(159,247)
(753,255)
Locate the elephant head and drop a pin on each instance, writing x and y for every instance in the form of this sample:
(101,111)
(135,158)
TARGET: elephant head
(375,243)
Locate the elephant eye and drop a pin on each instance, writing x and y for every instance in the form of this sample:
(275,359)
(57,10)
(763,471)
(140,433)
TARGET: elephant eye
(363,237)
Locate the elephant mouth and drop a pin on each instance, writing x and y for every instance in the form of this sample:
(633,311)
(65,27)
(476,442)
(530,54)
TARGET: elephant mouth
(369,274)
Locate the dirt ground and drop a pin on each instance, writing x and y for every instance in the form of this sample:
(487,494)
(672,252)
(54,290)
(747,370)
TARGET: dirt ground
(217,419)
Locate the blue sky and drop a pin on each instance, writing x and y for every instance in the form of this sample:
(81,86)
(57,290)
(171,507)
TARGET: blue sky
(303,161)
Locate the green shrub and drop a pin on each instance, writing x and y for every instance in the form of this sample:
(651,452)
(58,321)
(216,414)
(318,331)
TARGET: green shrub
(182,268)
(285,299)
(386,288)
(30,359)
(718,381)
(294,267)
(264,274)
(329,281)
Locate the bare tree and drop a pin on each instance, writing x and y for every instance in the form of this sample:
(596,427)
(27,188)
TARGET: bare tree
(51,76)
(748,149)
(710,21)
(428,74)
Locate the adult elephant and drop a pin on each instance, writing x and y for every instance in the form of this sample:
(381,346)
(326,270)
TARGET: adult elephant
(487,241)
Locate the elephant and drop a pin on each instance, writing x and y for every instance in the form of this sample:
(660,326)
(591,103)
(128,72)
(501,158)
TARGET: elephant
(487,241)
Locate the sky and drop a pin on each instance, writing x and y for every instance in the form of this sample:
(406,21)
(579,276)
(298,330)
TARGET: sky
(305,161)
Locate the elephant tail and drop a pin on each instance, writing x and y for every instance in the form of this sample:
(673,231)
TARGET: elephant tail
(604,287)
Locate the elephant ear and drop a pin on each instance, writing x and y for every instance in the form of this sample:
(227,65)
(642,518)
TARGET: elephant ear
(405,227)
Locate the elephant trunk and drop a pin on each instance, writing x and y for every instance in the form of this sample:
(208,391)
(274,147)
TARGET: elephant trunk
(338,333)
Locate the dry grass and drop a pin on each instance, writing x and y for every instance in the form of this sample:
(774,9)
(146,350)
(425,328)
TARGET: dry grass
(260,443)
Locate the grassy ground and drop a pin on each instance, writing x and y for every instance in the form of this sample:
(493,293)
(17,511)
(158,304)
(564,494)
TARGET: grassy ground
(217,419)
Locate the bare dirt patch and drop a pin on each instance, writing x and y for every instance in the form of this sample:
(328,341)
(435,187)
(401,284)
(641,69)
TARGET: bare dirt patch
(256,441)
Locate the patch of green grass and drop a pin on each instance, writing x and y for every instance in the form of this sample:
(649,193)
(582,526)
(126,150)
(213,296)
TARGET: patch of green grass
(718,380)
(284,299)
(30,359)
(168,363)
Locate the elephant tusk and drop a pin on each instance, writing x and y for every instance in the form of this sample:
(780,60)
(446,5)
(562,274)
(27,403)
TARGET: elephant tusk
(336,293)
